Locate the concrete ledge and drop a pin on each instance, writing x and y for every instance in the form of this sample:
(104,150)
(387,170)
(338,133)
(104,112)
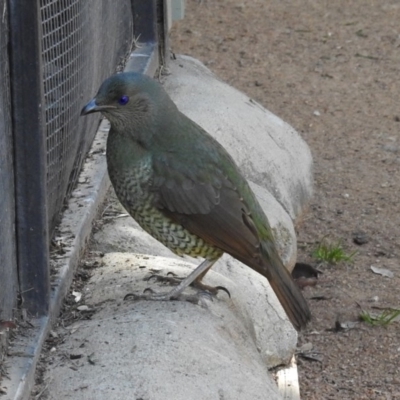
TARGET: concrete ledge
(164,350)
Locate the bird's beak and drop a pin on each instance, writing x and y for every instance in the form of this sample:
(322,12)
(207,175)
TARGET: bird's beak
(92,107)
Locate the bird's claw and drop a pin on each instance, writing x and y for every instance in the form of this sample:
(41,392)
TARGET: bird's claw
(131,296)
(224,289)
(170,278)
(134,296)
(173,279)
(194,299)
(212,290)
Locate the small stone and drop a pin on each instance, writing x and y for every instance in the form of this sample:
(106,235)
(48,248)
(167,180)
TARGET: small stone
(53,334)
(240,7)
(360,238)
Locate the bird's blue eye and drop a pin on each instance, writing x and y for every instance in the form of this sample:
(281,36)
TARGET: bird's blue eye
(123,100)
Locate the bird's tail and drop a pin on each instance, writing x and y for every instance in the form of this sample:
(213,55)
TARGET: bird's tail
(285,288)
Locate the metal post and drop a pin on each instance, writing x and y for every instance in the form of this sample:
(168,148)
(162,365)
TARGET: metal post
(8,262)
(164,27)
(30,155)
(144,20)
(150,25)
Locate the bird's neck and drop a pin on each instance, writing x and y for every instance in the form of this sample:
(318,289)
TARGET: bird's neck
(123,153)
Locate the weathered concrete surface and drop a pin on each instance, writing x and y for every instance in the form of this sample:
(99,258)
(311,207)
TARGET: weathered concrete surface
(177,350)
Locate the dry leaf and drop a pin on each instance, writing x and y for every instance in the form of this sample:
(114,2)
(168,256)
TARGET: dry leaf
(83,308)
(7,324)
(382,271)
(77,295)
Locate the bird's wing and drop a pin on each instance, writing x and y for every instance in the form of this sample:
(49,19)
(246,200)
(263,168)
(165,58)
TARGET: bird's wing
(206,202)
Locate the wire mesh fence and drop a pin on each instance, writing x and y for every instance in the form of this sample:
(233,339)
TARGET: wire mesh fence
(59,53)
(82,42)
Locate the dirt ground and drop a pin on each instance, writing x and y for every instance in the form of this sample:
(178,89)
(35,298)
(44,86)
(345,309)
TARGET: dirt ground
(331,69)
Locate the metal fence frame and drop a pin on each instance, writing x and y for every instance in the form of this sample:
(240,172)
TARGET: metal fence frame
(29,156)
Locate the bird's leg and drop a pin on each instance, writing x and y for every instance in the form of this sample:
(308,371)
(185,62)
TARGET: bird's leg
(176,293)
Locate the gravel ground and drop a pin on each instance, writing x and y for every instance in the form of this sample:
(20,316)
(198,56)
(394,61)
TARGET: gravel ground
(331,70)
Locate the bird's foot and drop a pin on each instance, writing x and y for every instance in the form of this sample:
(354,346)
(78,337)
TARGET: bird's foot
(213,290)
(150,294)
(177,292)
(171,278)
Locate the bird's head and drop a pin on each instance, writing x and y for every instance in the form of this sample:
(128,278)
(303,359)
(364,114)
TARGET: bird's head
(127,100)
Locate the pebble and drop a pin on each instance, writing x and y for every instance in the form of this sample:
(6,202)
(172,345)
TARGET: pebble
(360,238)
